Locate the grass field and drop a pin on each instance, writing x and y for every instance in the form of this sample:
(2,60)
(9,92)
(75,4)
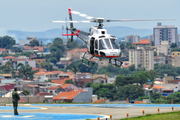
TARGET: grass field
(162,116)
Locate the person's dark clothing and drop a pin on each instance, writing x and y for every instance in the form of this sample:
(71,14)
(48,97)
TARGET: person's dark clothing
(15,98)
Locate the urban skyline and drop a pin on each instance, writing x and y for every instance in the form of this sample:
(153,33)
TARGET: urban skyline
(34,15)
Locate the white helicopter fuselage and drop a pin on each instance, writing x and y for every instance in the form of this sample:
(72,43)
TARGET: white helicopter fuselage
(102,45)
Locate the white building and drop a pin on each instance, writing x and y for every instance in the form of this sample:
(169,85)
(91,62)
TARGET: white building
(132,38)
(165,33)
(142,56)
(27,41)
(32,63)
(164,48)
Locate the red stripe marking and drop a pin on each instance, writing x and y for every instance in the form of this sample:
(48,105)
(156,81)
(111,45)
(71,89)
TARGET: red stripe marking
(106,56)
(72,34)
(69,11)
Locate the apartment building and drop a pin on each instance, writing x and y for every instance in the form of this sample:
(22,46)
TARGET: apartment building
(165,33)
(175,54)
(164,48)
(142,56)
(132,38)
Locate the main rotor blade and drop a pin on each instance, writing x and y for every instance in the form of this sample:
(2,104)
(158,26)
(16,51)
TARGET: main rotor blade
(71,21)
(137,20)
(82,15)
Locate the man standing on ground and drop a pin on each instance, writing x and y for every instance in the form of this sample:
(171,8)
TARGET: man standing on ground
(15,98)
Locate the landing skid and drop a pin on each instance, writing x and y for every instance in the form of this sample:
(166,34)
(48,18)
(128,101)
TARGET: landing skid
(90,63)
(116,62)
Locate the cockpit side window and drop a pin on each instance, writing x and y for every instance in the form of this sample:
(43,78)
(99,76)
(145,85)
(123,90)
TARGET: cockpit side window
(101,45)
(114,43)
(96,44)
(107,43)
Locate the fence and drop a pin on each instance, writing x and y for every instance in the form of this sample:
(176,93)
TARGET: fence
(28,99)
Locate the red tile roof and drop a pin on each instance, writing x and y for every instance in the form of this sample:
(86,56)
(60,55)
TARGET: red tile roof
(38,48)
(78,50)
(168,90)
(154,87)
(158,57)
(54,87)
(2,49)
(48,72)
(27,47)
(32,85)
(9,57)
(143,41)
(33,68)
(125,66)
(43,94)
(82,50)
(65,86)
(59,72)
(100,77)
(7,87)
(66,95)
(60,81)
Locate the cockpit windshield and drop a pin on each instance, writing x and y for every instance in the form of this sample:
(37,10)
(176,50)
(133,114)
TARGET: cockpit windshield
(101,45)
(114,43)
(107,43)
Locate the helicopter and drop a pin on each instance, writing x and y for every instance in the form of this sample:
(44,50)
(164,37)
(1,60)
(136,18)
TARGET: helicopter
(100,44)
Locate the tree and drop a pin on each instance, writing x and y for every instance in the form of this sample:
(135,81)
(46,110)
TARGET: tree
(155,53)
(131,47)
(107,90)
(152,73)
(122,80)
(173,45)
(26,91)
(130,92)
(152,43)
(142,77)
(16,49)
(128,44)
(175,97)
(69,82)
(7,68)
(34,43)
(132,67)
(122,46)
(7,42)
(88,84)
(53,60)
(25,71)
(46,65)
(57,49)
(82,68)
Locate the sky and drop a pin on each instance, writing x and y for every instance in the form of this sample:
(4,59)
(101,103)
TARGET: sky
(35,15)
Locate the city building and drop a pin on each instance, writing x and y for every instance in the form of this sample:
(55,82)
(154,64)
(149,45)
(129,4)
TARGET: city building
(143,44)
(175,54)
(160,60)
(102,63)
(76,95)
(164,49)
(175,61)
(151,38)
(39,60)
(5,51)
(54,90)
(76,53)
(132,38)
(27,41)
(165,33)
(142,56)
